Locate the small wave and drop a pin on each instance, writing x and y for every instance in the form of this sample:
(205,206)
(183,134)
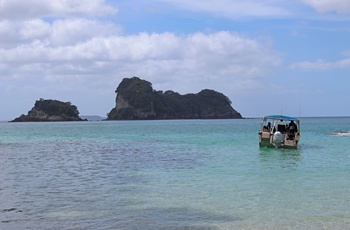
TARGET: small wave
(341,133)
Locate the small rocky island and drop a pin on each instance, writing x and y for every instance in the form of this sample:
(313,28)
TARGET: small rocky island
(50,110)
(136,100)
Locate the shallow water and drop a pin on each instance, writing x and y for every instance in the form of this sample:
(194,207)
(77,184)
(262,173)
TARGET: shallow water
(183,174)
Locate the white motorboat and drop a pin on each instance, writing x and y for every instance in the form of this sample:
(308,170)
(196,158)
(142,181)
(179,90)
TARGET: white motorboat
(277,131)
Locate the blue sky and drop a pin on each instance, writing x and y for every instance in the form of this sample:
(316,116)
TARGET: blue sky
(267,56)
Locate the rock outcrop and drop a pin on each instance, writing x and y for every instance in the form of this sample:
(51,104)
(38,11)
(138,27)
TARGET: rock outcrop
(50,110)
(136,100)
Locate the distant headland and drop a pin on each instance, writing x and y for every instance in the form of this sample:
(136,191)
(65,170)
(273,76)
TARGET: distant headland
(50,110)
(136,100)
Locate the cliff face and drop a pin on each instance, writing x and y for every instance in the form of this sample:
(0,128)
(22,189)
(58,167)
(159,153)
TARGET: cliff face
(136,99)
(50,110)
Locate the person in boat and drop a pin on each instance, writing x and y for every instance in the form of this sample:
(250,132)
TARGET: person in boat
(292,128)
(267,127)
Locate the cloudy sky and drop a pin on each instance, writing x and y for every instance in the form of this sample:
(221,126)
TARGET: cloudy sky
(267,56)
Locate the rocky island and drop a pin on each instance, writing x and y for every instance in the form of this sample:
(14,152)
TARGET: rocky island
(51,110)
(136,100)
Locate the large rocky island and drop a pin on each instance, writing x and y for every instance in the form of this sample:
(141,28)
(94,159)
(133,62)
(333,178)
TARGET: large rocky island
(51,110)
(136,100)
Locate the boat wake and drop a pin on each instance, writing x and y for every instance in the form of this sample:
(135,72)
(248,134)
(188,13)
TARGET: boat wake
(341,133)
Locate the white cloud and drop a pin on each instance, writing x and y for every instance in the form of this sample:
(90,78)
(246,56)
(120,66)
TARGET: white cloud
(72,55)
(28,9)
(33,29)
(321,65)
(205,58)
(339,6)
(58,33)
(71,31)
(236,8)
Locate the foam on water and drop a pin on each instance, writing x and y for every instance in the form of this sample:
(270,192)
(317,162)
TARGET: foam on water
(341,133)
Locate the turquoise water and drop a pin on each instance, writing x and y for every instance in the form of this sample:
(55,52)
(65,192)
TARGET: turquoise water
(183,174)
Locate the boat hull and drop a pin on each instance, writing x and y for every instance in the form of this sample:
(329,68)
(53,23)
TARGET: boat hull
(266,140)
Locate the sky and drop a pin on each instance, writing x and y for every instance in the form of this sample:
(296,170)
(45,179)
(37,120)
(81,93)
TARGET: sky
(267,56)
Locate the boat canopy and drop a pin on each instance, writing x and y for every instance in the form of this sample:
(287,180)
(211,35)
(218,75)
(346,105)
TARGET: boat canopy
(281,117)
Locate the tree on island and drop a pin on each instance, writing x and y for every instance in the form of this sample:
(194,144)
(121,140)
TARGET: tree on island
(51,110)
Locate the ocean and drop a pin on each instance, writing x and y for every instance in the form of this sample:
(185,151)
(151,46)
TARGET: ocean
(173,174)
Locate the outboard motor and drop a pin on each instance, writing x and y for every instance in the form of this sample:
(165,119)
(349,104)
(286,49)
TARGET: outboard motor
(277,138)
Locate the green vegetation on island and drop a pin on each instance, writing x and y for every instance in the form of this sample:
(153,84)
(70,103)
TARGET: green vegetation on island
(51,110)
(136,99)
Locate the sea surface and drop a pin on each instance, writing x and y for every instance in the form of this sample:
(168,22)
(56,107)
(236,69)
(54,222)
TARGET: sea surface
(172,174)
